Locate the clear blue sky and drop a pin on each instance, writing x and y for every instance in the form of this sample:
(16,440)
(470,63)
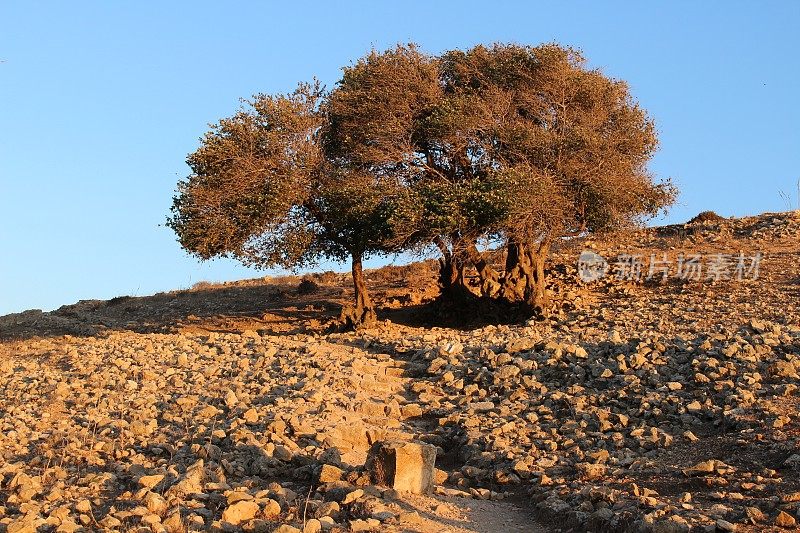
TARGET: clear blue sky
(101,101)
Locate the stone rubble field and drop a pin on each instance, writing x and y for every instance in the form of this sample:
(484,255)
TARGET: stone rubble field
(663,407)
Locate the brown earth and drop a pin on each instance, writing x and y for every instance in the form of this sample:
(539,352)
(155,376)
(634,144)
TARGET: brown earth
(591,419)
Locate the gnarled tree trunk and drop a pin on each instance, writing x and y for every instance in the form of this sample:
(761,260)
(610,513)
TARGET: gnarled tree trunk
(524,279)
(362,312)
(452,283)
(489,277)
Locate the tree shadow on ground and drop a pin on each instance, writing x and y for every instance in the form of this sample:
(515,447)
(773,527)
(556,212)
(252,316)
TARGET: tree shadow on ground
(464,315)
(270,308)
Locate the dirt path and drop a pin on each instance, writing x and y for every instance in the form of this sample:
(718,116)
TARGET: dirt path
(440,514)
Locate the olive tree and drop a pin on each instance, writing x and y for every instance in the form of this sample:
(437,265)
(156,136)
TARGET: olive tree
(263,192)
(567,146)
(522,144)
(515,144)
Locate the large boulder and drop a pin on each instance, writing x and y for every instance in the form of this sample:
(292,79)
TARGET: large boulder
(403,466)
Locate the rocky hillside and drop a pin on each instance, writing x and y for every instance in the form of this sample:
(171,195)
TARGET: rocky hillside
(659,401)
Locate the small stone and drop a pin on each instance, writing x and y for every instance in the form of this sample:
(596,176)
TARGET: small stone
(327,509)
(109,522)
(231,400)
(286,528)
(238,496)
(151,520)
(353,496)
(68,526)
(240,512)
(155,503)
(691,437)
(84,506)
(173,523)
(257,525)
(724,525)
(330,473)
(786,520)
(250,416)
(409,518)
(149,482)
(520,345)
(272,509)
(327,523)
(783,369)
(791,497)
(703,467)
(21,525)
(591,470)
(369,524)
(754,514)
(411,410)
(482,407)
(190,483)
(282,453)
(312,526)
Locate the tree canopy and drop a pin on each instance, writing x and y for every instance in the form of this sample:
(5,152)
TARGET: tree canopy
(518,144)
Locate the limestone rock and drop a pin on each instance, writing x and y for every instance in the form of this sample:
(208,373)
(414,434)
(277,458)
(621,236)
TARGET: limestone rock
(330,473)
(239,512)
(403,466)
(786,520)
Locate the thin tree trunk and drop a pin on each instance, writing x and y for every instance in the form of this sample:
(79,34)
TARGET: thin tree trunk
(362,313)
(538,297)
(446,272)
